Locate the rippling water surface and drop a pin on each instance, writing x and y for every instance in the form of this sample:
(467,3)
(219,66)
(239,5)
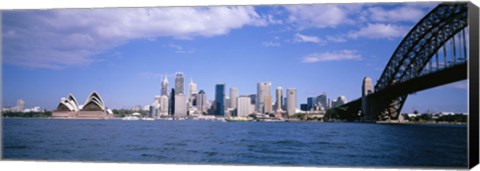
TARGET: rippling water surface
(254,143)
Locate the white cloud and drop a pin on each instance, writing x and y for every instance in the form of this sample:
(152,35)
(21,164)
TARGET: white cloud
(320,16)
(271,44)
(379,31)
(307,39)
(56,39)
(332,56)
(403,13)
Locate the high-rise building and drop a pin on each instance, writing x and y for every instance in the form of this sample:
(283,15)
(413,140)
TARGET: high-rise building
(171,103)
(253,99)
(164,105)
(268,104)
(233,97)
(341,100)
(20,105)
(227,102)
(367,86)
(304,107)
(202,102)
(192,87)
(310,104)
(179,83)
(164,86)
(279,99)
(322,99)
(243,106)
(220,99)
(263,90)
(180,106)
(291,101)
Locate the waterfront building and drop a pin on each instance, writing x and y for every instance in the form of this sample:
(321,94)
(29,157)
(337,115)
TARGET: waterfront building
(164,86)
(155,107)
(263,90)
(304,107)
(233,97)
(93,108)
(220,99)
(202,102)
(291,101)
(179,83)
(227,103)
(322,99)
(20,105)
(243,106)
(163,105)
(278,100)
(180,106)
(268,104)
(171,103)
(284,104)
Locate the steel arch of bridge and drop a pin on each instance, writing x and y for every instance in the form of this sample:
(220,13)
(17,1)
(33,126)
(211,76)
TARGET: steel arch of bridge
(419,46)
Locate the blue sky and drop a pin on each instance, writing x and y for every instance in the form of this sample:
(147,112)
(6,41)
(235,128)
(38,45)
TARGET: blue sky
(123,53)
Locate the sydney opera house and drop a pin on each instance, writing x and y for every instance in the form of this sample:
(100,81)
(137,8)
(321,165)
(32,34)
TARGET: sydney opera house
(93,108)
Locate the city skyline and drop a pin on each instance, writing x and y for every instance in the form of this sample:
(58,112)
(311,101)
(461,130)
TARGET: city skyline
(290,46)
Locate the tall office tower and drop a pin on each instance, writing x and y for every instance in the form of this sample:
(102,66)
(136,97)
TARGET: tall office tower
(164,105)
(284,103)
(180,106)
(253,99)
(322,99)
(179,83)
(310,104)
(279,99)
(192,87)
(171,103)
(220,99)
(233,97)
(367,86)
(291,101)
(263,89)
(164,86)
(20,105)
(202,102)
(243,106)
(268,104)
(329,104)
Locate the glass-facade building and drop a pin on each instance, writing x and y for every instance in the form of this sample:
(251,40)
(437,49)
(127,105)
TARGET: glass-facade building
(220,99)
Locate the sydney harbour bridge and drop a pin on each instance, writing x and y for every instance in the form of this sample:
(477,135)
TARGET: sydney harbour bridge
(435,52)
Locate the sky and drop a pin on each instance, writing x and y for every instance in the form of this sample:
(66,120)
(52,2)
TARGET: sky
(123,53)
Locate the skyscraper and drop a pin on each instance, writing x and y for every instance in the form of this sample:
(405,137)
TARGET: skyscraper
(164,105)
(233,97)
(164,86)
(268,104)
(179,83)
(171,103)
(180,106)
(243,106)
(202,102)
(220,99)
(192,87)
(291,101)
(263,90)
(367,86)
(279,99)
(310,104)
